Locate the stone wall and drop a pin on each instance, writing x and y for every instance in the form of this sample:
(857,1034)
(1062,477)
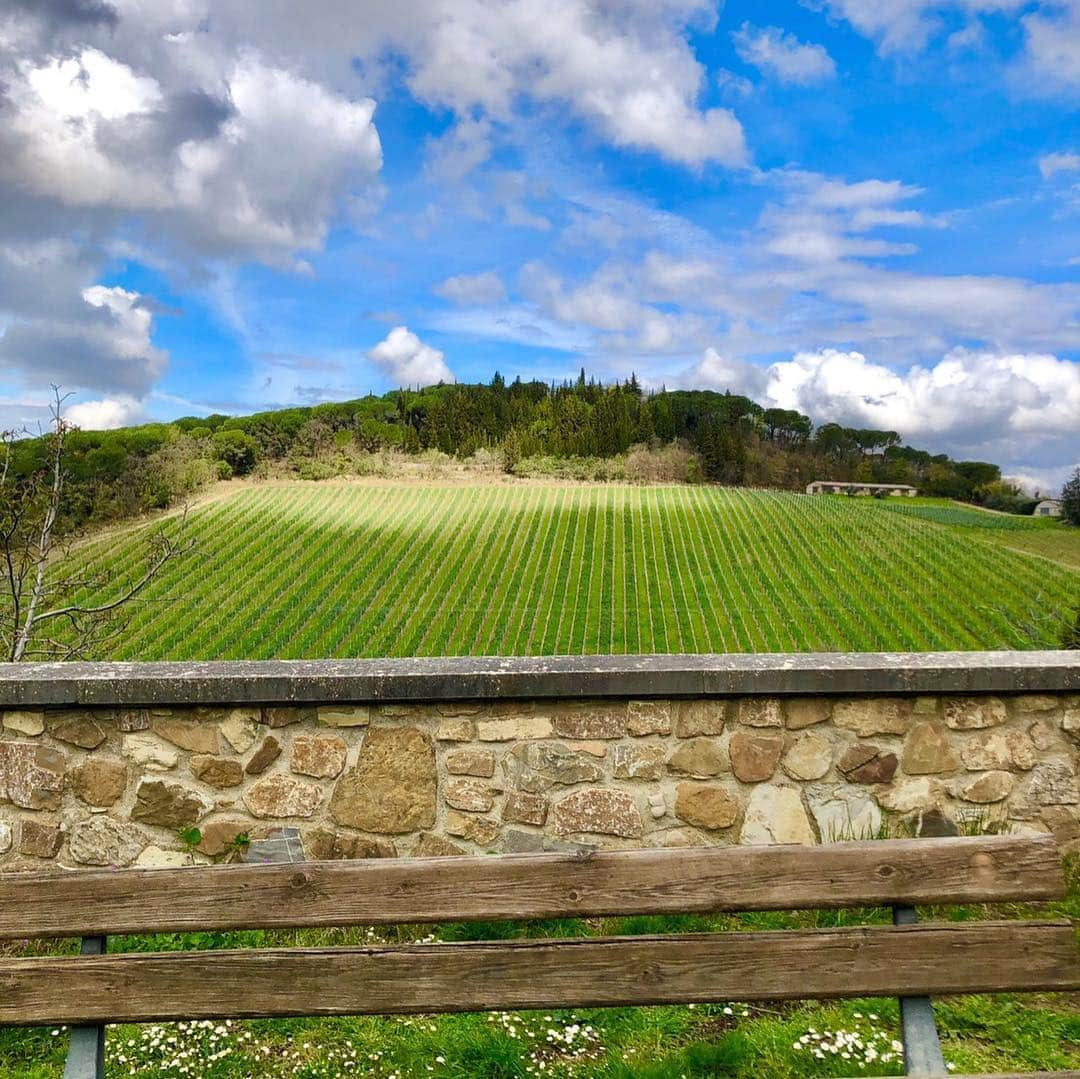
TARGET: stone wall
(116,785)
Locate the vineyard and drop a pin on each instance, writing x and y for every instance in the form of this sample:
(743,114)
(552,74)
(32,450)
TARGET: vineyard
(344,569)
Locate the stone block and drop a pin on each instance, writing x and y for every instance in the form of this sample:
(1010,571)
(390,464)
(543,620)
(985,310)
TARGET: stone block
(477,830)
(700,757)
(927,751)
(514,728)
(456,730)
(99,781)
(760,712)
(219,836)
(264,756)
(240,729)
(801,712)
(31,775)
(102,840)
(909,795)
(471,762)
(1008,749)
(974,713)
(459,708)
(648,717)
(149,753)
(776,815)
(319,755)
(843,813)
(987,788)
(1053,783)
(706,806)
(28,724)
(594,749)
(868,716)
(699,718)
(865,763)
(536,767)
(392,787)
(597,810)
(324,844)
(344,715)
(286,716)
(133,719)
(7,836)
(468,794)
(808,757)
(754,757)
(600,720)
(1036,702)
(436,846)
(39,839)
(277,796)
(522,808)
(168,805)
(639,761)
(219,772)
(194,737)
(77,729)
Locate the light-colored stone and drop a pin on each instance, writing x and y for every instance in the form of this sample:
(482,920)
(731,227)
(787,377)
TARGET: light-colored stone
(99,781)
(194,737)
(30,724)
(648,717)
(478,830)
(102,840)
(800,712)
(776,815)
(1070,723)
(7,836)
(594,749)
(927,751)
(168,805)
(1042,735)
(471,762)
(641,760)
(514,728)
(699,719)
(657,804)
(456,730)
(1008,749)
(282,796)
(843,812)
(925,706)
(133,719)
(459,708)
(319,755)
(345,715)
(909,795)
(599,811)
(754,757)
(1036,702)
(436,846)
(760,712)
(700,757)
(219,772)
(154,857)
(706,806)
(867,716)
(31,775)
(240,729)
(392,787)
(677,837)
(1053,783)
(590,721)
(987,788)
(974,713)
(219,837)
(808,757)
(469,794)
(538,766)
(149,753)
(520,807)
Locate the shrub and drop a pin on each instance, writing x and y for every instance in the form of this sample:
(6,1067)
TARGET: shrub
(1070,499)
(240,450)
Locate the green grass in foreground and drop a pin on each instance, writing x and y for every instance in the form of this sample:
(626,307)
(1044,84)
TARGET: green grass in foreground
(306,570)
(730,1038)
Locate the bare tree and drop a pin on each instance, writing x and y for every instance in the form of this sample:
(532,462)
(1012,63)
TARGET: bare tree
(41,615)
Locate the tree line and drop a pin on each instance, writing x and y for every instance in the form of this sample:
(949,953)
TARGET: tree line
(730,438)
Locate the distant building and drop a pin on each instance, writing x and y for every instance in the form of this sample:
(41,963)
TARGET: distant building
(1048,507)
(852,487)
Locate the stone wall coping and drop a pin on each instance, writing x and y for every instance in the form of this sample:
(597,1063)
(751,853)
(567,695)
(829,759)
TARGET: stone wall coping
(28,685)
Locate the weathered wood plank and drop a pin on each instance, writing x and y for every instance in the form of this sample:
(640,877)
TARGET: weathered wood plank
(867,961)
(522,886)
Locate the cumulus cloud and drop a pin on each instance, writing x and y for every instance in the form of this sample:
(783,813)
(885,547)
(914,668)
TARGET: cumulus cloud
(1051,164)
(107,413)
(467,289)
(407,360)
(1051,59)
(778,53)
(725,374)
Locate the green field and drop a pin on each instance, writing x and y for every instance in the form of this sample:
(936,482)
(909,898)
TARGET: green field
(299,570)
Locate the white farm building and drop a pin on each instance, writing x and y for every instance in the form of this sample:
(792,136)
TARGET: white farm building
(857,487)
(1048,507)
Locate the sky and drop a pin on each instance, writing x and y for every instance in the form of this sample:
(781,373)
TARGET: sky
(868,210)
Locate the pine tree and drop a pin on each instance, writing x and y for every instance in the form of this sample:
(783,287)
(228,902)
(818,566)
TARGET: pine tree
(1070,499)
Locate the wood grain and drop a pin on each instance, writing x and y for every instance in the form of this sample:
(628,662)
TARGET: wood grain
(866,961)
(526,886)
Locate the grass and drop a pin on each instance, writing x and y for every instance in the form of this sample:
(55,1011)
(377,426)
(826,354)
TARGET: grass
(729,1038)
(305,570)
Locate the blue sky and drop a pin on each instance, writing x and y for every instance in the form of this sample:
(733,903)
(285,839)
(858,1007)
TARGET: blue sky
(864,209)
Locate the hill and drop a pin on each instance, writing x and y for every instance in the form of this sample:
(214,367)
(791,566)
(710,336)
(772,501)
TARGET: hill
(341,569)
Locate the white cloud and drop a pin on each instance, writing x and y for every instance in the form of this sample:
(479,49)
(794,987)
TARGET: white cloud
(781,54)
(107,413)
(407,360)
(725,374)
(1050,164)
(1051,62)
(480,288)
